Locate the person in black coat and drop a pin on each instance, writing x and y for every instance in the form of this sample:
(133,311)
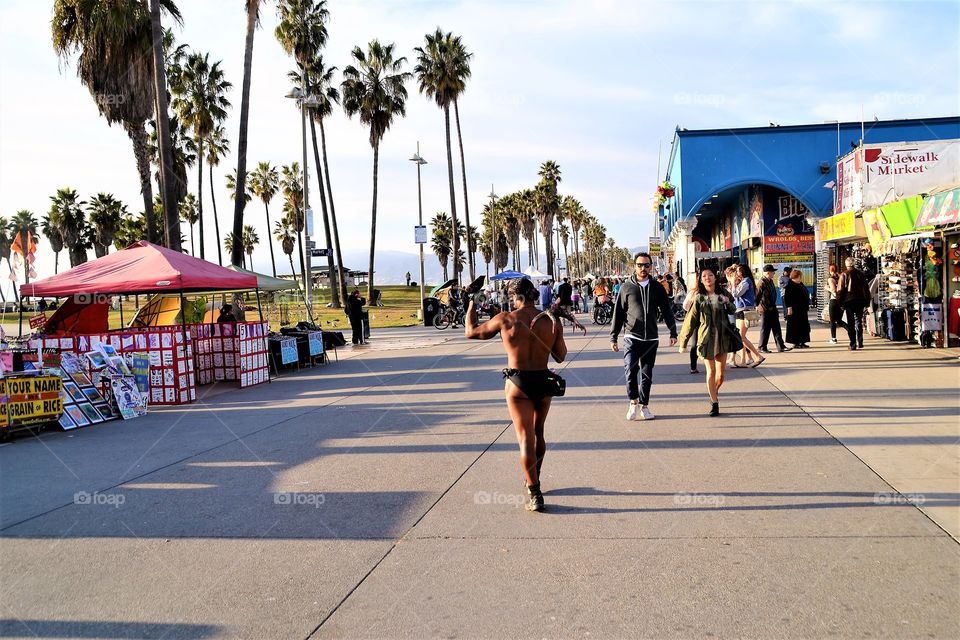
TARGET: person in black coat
(355,314)
(796,299)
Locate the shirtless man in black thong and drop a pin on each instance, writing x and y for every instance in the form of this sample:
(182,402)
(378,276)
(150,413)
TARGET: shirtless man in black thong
(529,338)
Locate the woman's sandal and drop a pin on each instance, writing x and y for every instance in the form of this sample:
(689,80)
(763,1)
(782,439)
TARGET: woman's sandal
(757,363)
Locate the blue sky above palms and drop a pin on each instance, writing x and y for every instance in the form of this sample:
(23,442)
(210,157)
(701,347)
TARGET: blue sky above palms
(594,86)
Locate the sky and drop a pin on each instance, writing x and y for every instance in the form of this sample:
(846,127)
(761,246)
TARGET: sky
(597,87)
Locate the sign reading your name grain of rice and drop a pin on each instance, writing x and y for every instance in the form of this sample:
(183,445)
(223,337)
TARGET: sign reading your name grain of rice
(31,400)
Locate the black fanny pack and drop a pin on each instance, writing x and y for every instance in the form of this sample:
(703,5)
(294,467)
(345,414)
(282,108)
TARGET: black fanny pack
(548,383)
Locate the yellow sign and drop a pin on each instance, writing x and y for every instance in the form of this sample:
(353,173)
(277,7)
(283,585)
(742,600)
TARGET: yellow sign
(841,225)
(654,246)
(30,400)
(877,231)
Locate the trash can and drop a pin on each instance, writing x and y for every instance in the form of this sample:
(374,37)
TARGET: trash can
(431,307)
(366,324)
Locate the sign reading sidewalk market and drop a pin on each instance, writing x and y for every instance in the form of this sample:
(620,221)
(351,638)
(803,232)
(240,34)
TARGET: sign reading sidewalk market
(30,400)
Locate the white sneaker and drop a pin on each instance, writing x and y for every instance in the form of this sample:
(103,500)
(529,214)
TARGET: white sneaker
(832,341)
(632,411)
(646,414)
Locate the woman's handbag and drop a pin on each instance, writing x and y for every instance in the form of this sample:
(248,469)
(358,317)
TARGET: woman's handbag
(733,334)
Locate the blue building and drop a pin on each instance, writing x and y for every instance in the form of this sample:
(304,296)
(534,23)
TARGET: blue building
(753,195)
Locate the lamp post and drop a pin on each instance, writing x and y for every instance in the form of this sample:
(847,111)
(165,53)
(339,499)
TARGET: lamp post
(420,162)
(299,93)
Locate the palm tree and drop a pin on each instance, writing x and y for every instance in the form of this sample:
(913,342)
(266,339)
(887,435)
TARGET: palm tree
(253,19)
(111,40)
(188,211)
(106,212)
(441,80)
(228,244)
(264,183)
(67,209)
(184,155)
(133,228)
(440,241)
(232,188)
(460,59)
(374,90)
(284,234)
(250,240)
(574,213)
(486,251)
(218,146)
(549,206)
(510,223)
(526,213)
(49,224)
(25,226)
(327,95)
(291,184)
(6,241)
(199,89)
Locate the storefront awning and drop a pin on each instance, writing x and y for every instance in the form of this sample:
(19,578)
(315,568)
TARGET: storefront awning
(900,216)
(940,209)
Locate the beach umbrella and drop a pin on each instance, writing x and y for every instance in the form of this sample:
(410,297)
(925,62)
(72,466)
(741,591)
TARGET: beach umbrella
(507,275)
(440,287)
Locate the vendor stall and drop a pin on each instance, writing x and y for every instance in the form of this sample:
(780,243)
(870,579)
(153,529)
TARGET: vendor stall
(80,326)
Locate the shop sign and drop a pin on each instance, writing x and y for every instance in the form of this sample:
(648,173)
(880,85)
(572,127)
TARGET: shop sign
(38,321)
(940,209)
(792,244)
(876,174)
(900,216)
(315,342)
(654,246)
(30,400)
(837,226)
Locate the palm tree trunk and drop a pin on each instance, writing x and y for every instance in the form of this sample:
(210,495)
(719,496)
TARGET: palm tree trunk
(193,244)
(56,262)
(373,218)
(453,197)
(138,136)
(341,277)
(236,255)
(171,218)
(466,201)
(200,197)
(273,262)
(216,222)
(303,265)
(331,272)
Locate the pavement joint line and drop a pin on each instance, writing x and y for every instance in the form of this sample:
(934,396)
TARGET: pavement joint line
(860,459)
(667,538)
(406,535)
(208,450)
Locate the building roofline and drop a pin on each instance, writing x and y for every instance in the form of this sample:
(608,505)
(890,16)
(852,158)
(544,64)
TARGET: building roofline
(823,126)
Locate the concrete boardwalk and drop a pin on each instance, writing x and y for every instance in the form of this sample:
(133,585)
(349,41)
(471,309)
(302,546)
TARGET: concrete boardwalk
(377,497)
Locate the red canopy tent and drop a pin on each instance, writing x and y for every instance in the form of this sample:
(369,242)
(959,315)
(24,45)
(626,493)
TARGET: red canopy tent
(74,318)
(140,268)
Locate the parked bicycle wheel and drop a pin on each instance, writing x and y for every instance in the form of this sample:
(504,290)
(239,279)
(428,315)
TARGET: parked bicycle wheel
(443,319)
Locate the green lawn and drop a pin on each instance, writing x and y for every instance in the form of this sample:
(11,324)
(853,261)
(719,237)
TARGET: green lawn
(400,306)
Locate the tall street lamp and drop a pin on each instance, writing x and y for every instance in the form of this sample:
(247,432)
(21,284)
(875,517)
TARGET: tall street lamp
(420,162)
(493,225)
(306,102)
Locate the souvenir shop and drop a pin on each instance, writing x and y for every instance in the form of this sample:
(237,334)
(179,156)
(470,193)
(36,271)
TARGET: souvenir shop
(941,259)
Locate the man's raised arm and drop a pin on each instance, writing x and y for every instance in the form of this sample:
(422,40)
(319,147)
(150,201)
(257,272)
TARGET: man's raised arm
(476,331)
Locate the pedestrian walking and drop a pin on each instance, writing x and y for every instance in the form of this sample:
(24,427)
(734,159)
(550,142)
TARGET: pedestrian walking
(565,295)
(745,301)
(834,309)
(529,339)
(769,313)
(546,295)
(853,293)
(635,311)
(586,293)
(709,322)
(797,299)
(784,280)
(688,302)
(354,311)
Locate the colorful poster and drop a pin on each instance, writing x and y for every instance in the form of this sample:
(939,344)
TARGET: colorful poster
(288,350)
(130,402)
(140,366)
(315,340)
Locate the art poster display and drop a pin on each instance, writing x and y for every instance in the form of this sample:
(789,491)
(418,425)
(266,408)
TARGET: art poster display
(29,400)
(83,402)
(130,403)
(253,353)
(315,342)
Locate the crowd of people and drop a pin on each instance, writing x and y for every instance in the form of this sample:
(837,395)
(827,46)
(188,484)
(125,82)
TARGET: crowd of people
(718,308)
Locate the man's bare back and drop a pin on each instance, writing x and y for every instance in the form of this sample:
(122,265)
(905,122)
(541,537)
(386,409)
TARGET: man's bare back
(530,341)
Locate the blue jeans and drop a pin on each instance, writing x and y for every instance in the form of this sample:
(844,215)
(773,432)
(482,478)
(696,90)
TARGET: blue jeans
(639,356)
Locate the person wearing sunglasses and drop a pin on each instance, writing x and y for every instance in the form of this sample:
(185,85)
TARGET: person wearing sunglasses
(635,312)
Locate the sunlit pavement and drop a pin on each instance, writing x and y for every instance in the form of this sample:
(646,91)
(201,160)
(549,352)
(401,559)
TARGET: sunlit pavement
(378,496)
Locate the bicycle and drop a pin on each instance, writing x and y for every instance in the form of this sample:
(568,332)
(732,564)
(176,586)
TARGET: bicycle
(449,317)
(603,313)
